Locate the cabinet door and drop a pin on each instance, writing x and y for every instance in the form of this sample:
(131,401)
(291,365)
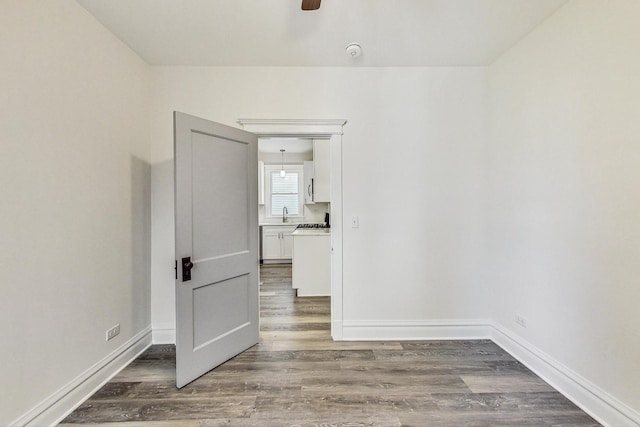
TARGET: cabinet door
(271,243)
(321,162)
(311,270)
(307,173)
(287,242)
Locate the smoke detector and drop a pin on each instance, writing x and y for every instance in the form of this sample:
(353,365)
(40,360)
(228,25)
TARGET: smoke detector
(353,50)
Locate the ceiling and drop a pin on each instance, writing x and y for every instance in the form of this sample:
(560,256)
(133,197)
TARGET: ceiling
(290,145)
(278,33)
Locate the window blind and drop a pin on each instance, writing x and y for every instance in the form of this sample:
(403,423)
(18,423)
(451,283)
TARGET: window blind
(284,192)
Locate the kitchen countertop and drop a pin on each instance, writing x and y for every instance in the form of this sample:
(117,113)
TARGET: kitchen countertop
(312,232)
(286,224)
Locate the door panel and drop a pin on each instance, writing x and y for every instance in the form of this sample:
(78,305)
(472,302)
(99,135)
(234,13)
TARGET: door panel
(220,208)
(219,308)
(217,226)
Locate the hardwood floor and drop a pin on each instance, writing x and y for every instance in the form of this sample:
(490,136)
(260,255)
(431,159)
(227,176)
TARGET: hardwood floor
(297,376)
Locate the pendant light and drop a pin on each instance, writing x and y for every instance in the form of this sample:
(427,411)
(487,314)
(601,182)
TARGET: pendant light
(282,172)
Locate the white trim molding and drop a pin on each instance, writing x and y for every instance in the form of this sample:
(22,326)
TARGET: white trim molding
(601,405)
(164,333)
(287,127)
(397,330)
(61,403)
(318,128)
(598,403)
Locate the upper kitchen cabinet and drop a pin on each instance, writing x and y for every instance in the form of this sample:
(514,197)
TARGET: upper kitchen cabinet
(316,174)
(307,173)
(321,162)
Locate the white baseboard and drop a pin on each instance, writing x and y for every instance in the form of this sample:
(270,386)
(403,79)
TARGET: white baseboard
(602,406)
(393,330)
(61,403)
(336,330)
(164,333)
(596,402)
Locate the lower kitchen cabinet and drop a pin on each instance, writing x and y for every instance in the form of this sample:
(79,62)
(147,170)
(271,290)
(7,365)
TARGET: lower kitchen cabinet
(311,270)
(277,242)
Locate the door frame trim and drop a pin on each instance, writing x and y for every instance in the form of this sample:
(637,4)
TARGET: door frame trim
(329,129)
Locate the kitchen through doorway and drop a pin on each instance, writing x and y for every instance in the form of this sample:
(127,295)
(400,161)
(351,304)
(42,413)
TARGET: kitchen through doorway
(294,234)
(300,191)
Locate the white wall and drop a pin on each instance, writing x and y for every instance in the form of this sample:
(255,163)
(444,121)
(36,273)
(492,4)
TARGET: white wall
(413,171)
(315,212)
(564,174)
(74,198)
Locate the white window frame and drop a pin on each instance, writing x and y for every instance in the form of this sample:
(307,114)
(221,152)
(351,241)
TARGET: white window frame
(268,169)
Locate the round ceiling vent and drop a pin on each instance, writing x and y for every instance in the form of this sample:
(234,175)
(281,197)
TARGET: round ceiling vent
(353,50)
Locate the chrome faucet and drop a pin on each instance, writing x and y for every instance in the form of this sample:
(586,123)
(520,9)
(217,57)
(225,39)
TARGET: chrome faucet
(285,211)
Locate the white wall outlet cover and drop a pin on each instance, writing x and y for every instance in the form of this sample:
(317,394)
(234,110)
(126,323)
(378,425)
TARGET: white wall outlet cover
(520,320)
(355,222)
(113,332)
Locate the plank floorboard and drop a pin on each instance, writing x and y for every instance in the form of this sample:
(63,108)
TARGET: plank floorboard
(298,376)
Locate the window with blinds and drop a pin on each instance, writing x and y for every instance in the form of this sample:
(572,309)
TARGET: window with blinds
(284,193)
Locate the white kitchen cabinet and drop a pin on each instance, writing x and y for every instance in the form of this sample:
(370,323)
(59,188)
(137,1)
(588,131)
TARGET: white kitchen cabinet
(277,242)
(287,243)
(316,174)
(311,269)
(271,242)
(321,168)
(308,174)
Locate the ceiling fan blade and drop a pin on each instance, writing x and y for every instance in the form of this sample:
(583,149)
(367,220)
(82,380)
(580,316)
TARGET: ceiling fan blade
(310,4)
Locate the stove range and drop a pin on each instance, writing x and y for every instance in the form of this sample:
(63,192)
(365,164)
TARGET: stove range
(312,226)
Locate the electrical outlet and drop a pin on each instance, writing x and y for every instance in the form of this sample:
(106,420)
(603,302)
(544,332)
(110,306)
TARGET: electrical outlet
(521,321)
(113,332)
(355,222)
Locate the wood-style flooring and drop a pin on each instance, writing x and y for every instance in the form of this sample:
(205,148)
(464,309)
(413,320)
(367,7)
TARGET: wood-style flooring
(297,376)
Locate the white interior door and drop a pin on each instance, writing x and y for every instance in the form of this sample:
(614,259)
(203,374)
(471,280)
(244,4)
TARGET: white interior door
(216,188)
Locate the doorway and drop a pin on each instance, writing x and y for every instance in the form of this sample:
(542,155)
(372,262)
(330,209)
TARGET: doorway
(332,131)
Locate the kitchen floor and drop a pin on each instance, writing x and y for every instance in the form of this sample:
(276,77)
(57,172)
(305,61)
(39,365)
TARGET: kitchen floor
(297,376)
